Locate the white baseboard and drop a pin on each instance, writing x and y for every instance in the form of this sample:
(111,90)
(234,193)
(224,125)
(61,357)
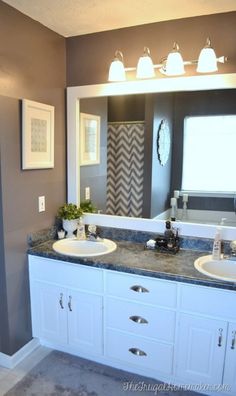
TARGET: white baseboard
(11,361)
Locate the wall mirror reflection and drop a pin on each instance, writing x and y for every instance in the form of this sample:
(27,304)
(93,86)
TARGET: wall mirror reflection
(131,180)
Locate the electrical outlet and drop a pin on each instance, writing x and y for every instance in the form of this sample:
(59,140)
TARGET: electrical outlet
(87,193)
(41,203)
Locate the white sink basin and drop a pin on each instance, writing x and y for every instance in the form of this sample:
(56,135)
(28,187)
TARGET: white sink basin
(74,247)
(220,269)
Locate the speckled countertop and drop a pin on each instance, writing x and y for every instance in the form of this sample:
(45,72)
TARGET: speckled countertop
(131,257)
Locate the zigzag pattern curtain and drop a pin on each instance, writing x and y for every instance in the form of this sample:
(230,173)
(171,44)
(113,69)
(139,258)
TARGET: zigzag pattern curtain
(125,160)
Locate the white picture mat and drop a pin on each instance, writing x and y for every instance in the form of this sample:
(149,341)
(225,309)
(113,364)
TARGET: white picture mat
(89,139)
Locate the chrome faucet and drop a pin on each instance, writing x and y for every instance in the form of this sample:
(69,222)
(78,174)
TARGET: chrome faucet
(232,255)
(92,234)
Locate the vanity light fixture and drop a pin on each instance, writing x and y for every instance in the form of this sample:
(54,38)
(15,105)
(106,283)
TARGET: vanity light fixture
(145,67)
(117,69)
(207,61)
(172,65)
(174,62)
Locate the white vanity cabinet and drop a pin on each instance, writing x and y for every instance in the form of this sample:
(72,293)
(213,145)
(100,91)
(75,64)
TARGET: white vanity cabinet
(179,333)
(140,316)
(66,304)
(230,359)
(205,349)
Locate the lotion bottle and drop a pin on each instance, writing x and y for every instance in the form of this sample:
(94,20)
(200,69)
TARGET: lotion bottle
(216,251)
(81,230)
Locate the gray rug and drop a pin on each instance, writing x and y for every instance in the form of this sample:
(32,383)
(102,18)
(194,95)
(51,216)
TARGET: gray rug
(61,374)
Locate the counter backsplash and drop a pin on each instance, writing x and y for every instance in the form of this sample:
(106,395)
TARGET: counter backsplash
(189,243)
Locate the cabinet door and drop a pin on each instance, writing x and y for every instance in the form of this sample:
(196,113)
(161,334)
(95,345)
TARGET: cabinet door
(49,312)
(85,321)
(200,349)
(230,360)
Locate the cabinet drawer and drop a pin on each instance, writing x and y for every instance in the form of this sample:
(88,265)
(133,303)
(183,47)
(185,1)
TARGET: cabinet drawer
(209,301)
(67,274)
(141,289)
(140,319)
(139,351)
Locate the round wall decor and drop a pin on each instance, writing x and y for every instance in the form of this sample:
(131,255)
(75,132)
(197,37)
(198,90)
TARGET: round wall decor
(163,142)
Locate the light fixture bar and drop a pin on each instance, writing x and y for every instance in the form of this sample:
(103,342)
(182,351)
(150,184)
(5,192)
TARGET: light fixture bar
(172,65)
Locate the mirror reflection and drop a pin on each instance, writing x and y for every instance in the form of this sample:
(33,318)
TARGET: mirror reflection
(136,133)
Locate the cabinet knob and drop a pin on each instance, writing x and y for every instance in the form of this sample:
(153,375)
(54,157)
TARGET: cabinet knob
(137,352)
(220,337)
(61,301)
(138,319)
(139,289)
(70,304)
(233,339)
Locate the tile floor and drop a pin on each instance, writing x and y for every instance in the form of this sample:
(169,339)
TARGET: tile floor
(8,378)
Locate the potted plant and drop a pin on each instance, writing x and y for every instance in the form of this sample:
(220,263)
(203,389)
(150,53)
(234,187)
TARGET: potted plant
(70,214)
(88,207)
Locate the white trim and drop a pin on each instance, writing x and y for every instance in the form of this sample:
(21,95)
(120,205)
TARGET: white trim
(11,361)
(174,84)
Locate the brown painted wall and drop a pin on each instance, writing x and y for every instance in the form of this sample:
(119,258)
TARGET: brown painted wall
(89,56)
(32,66)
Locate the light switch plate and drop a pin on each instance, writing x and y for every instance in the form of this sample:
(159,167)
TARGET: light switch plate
(87,193)
(41,203)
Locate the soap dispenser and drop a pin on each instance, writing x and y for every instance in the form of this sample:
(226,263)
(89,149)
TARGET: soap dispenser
(216,251)
(81,230)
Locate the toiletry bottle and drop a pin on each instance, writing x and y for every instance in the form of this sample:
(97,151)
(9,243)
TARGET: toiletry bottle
(216,251)
(173,211)
(81,230)
(169,235)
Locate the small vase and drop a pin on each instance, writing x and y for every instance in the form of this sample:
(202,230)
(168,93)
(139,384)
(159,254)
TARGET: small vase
(70,226)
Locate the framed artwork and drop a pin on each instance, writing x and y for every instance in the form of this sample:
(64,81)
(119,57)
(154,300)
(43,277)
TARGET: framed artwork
(37,135)
(89,139)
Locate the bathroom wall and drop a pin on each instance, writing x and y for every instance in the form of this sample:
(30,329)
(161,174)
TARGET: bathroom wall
(95,176)
(32,66)
(161,175)
(89,56)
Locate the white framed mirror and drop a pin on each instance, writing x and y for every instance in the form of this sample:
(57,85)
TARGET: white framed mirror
(179,84)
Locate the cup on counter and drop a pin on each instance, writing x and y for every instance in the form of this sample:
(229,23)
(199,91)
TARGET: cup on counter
(61,234)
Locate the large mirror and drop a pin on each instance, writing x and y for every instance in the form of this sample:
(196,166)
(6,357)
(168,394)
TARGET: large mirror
(171,100)
(141,155)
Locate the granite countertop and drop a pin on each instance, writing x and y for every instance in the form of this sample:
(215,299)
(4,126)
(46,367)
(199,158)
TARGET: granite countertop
(132,258)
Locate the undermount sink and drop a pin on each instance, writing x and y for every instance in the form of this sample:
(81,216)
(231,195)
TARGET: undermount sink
(220,269)
(76,248)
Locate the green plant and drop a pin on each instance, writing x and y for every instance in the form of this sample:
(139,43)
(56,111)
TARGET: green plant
(69,212)
(88,207)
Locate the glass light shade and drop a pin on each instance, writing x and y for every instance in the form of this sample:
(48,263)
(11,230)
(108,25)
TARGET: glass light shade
(145,68)
(116,71)
(174,64)
(207,62)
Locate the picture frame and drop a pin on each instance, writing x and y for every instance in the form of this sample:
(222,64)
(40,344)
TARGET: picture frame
(89,139)
(37,135)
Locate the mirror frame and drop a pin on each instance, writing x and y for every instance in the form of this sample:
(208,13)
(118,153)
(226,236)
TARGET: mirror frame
(174,84)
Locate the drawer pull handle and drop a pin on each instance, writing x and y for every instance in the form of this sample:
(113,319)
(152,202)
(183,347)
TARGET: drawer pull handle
(137,352)
(61,301)
(220,338)
(69,304)
(138,319)
(139,289)
(233,339)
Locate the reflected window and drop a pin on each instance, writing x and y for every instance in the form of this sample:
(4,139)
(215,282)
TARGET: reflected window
(209,151)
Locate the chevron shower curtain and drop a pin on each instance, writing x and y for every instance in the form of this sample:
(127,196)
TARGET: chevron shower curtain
(125,160)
